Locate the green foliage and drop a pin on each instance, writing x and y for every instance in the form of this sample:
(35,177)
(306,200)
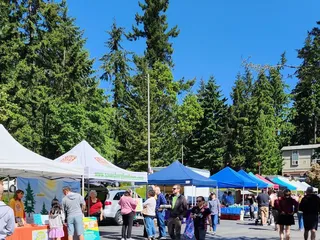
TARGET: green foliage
(306,94)
(44,211)
(49,101)
(207,147)
(154,28)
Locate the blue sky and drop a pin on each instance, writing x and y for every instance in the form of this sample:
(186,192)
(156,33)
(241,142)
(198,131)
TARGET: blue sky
(215,35)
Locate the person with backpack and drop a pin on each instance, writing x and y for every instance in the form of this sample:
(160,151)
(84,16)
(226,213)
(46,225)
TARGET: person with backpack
(56,220)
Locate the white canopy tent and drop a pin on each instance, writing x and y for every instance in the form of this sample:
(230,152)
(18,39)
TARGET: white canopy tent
(97,167)
(307,185)
(293,183)
(18,161)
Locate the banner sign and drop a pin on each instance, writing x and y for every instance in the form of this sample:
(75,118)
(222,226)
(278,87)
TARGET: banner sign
(39,192)
(91,229)
(40,234)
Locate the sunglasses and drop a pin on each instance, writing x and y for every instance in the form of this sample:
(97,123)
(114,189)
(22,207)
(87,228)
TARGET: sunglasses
(174,188)
(199,200)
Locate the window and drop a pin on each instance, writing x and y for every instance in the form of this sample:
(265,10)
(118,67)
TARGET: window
(295,158)
(118,196)
(314,159)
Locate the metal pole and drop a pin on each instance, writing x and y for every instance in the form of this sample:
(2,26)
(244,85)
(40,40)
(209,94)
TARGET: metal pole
(149,155)
(182,154)
(259,170)
(243,198)
(82,186)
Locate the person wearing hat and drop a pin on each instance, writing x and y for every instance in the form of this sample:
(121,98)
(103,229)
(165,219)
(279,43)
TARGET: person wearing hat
(310,206)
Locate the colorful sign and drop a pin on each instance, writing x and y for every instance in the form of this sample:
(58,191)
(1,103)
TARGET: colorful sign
(139,207)
(91,229)
(39,193)
(40,234)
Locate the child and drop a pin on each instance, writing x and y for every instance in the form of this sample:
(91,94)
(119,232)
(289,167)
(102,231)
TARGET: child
(56,220)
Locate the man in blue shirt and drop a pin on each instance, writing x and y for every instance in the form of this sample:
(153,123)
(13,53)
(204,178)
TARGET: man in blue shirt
(161,200)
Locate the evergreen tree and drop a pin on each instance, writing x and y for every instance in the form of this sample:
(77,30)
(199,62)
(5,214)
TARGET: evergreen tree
(208,145)
(264,146)
(306,94)
(44,211)
(154,28)
(29,201)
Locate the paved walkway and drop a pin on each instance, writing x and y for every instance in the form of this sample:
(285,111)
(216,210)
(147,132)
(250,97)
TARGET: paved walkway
(227,230)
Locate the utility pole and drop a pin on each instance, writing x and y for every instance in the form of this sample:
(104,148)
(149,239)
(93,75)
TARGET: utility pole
(149,155)
(182,153)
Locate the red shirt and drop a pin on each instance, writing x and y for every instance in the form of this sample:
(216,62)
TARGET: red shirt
(286,205)
(94,207)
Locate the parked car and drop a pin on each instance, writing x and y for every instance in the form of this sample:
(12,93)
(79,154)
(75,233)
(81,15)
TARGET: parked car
(112,208)
(11,187)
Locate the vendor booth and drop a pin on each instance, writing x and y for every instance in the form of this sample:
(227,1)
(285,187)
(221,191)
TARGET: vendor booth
(18,161)
(282,183)
(260,184)
(228,178)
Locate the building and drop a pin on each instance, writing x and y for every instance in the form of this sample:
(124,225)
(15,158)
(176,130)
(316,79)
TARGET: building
(297,160)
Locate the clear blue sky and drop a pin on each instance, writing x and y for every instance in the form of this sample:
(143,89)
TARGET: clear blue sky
(215,35)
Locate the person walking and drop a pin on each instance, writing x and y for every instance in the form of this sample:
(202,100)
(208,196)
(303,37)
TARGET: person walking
(7,219)
(286,206)
(251,202)
(310,207)
(300,213)
(274,211)
(178,210)
(215,210)
(149,213)
(263,200)
(200,215)
(73,205)
(128,208)
(160,213)
(56,221)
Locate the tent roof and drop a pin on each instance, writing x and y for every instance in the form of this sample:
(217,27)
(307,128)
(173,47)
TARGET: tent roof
(176,173)
(275,186)
(96,166)
(283,183)
(260,184)
(228,178)
(18,161)
(269,185)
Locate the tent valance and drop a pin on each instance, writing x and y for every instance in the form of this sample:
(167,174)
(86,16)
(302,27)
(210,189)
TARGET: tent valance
(176,173)
(96,166)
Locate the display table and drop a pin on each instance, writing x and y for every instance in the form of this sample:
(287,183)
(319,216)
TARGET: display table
(29,232)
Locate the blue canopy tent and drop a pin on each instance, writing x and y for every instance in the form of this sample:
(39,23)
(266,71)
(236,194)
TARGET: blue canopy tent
(283,184)
(176,173)
(259,183)
(228,178)
(259,180)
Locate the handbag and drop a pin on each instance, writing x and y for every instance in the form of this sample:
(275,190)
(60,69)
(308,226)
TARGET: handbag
(189,230)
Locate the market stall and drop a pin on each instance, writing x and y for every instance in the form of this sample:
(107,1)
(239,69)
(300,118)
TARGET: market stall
(270,184)
(228,178)
(281,183)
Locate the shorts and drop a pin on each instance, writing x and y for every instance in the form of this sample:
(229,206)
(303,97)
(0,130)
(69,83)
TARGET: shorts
(75,225)
(310,222)
(264,211)
(286,219)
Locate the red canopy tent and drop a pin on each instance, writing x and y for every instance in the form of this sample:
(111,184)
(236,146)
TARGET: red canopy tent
(275,186)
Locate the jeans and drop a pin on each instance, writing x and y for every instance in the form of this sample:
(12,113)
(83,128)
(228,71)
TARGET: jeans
(199,233)
(161,224)
(214,219)
(300,220)
(150,228)
(127,225)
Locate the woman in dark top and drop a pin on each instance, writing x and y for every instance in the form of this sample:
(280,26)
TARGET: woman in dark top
(200,215)
(286,207)
(251,202)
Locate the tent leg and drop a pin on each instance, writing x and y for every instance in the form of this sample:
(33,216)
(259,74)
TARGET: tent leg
(217,192)
(8,192)
(82,186)
(243,198)
(192,196)
(88,210)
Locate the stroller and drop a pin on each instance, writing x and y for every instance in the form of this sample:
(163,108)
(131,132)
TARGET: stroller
(258,221)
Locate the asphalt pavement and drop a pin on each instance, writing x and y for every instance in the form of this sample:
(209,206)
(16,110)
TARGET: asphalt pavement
(227,230)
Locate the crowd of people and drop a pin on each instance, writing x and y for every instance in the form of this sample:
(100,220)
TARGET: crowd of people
(279,208)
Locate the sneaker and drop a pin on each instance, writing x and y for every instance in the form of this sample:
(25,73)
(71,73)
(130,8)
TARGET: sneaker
(122,239)
(129,239)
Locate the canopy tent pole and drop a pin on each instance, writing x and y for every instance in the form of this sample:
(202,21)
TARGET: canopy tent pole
(8,192)
(82,185)
(243,198)
(217,192)
(88,198)
(192,196)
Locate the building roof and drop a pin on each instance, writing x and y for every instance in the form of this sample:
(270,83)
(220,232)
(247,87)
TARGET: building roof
(300,147)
